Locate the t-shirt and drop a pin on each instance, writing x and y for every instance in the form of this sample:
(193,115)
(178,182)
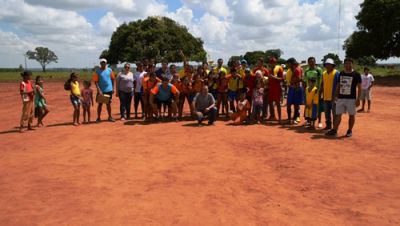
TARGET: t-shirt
(197,85)
(293,77)
(104,79)
(163,74)
(366,81)
(217,70)
(202,102)
(234,84)
(249,83)
(275,84)
(148,85)
(125,82)
(329,84)
(162,93)
(26,87)
(348,85)
(258,96)
(87,95)
(313,73)
(75,90)
(138,78)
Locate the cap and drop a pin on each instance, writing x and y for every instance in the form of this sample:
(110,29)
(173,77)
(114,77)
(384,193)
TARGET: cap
(329,61)
(244,62)
(103,60)
(247,69)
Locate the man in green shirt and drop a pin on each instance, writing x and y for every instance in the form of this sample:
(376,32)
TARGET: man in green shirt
(314,72)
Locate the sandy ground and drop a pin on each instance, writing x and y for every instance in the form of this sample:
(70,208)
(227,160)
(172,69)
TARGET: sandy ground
(130,173)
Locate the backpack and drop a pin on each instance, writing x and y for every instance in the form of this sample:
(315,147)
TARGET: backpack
(67,85)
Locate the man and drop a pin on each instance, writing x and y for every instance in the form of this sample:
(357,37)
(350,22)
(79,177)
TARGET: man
(367,82)
(348,92)
(138,80)
(164,94)
(204,104)
(295,95)
(104,80)
(328,88)
(314,72)
(163,71)
(275,89)
(220,67)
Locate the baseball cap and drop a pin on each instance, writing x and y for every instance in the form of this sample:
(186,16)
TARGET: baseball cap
(103,60)
(244,62)
(329,61)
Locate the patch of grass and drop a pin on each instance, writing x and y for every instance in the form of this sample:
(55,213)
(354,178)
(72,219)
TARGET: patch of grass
(12,76)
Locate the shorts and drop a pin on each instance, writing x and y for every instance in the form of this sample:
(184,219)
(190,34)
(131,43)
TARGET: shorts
(346,105)
(365,94)
(191,97)
(164,102)
(75,100)
(110,94)
(232,95)
(295,96)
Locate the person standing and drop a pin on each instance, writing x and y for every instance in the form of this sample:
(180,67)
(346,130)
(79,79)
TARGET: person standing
(164,71)
(367,81)
(27,95)
(295,93)
(124,87)
(314,72)
(348,92)
(103,78)
(138,88)
(275,89)
(328,88)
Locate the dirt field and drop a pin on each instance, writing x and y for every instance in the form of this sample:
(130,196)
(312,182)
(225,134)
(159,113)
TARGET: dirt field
(178,174)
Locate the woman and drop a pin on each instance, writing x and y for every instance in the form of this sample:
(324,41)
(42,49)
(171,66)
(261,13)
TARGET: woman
(124,87)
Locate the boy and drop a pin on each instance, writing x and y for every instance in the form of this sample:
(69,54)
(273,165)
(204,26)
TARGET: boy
(312,99)
(27,94)
(367,81)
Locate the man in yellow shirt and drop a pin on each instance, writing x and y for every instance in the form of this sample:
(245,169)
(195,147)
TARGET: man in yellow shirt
(328,88)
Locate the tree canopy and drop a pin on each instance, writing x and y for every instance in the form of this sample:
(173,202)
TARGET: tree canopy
(334,57)
(252,57)
(42,55)
(379,30)
(155,38)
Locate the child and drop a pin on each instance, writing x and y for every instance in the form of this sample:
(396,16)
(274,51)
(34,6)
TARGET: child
(27,94)
(242,107)
(75,97)
(40,101)
(311,108)
(234,85)
(185,94)
(258,101)
(87,100)
(222,88)
(367,81)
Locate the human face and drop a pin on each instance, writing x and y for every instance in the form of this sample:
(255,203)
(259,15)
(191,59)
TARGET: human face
(164,66)
(103,65)
(260,63)
(127,67)
(348,66)
(329,67)
(172,69)
(204,90)
(165,84)
(311,63)
(220,62)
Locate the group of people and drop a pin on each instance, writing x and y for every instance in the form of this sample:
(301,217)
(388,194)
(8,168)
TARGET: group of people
(239,93)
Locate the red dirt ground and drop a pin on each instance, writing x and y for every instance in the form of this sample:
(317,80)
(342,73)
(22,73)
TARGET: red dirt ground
(177,174)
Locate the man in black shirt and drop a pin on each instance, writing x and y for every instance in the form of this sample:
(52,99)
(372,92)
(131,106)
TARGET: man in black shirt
(348,91)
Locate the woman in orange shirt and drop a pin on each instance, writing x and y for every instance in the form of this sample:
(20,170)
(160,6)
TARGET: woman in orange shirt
(148,84)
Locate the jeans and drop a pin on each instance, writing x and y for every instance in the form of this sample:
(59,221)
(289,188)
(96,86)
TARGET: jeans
(212,115)
(138,99)
(125,104)
(329,108)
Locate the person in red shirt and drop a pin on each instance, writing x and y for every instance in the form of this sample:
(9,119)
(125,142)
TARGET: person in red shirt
(27,93)
(248,85)
(296,93)
(275,89)
(260,66)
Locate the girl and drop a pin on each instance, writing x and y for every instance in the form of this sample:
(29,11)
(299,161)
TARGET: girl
(40,101)
(27,94)
(148,84)
(222,88)
(258,99)
(75,98)
(87,100)
(242,107)
(186,93)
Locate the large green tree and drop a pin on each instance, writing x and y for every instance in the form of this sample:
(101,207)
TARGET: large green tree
(334,57)
(379,30)
(153,38)
(42,55)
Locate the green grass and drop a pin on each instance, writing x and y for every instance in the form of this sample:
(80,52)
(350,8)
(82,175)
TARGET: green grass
(12,76)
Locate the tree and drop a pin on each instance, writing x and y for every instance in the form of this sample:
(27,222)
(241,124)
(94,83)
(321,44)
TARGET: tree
(42,55)
(252,57)
(155,38)
(367,61)
(334,57)
(21,68)
(379,31)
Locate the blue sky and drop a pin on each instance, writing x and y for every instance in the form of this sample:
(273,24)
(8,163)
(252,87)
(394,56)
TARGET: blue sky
(77,31)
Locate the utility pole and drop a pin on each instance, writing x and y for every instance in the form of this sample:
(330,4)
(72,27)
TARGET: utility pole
(26,66)
(339,27)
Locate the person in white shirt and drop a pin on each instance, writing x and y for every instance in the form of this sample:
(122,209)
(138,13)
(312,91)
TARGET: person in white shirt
(138,89)
(367,81)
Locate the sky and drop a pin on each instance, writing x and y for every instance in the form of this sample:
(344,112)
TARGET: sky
(77,31)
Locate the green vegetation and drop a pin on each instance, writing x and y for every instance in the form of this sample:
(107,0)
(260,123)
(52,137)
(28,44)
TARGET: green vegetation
(13,75)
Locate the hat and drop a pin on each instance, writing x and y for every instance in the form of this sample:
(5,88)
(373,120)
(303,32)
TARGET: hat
(26,73)
(247,69)
(243,62)
(103,60)
(329,61)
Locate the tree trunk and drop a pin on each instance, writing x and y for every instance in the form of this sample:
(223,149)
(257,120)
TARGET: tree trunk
(43,67)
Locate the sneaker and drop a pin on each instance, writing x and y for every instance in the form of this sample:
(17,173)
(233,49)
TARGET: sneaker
(123,119)
(110,119)
(331,132)
(361,110)
(297,120)
(327,128)
(349,133)
(211,123)
(319,125)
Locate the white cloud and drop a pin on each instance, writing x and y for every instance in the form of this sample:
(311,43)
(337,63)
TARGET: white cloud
(108,24)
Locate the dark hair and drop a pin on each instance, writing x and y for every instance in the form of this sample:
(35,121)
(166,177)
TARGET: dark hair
(261,59)
(37,79)
(26,73)
(164,61)
(171,66)
(139,64)
(164,79)
(233,70)
(127,64)
(366,69)
(152,74)
(348,59)
(87,83)
(310,58)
